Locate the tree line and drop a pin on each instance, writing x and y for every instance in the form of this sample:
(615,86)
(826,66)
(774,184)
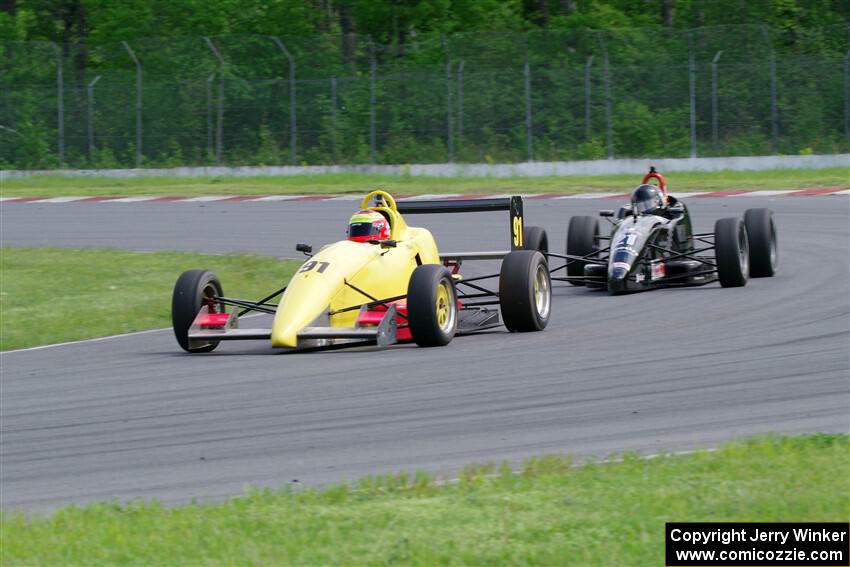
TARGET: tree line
(406,80)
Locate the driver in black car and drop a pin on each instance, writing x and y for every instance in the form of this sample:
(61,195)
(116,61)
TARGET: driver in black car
(649,199)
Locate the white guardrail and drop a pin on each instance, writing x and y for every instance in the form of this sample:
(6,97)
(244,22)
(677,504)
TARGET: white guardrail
(526,169)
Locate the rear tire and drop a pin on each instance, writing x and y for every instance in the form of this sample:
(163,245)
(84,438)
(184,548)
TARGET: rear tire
(761,233)
(431,306)
(525,291)
(535,238)
(582,239)
(731,250)
(193,289)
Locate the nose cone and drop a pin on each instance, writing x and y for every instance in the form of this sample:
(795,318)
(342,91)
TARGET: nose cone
(618,274)
(617,279)
(285,336)
(314,286)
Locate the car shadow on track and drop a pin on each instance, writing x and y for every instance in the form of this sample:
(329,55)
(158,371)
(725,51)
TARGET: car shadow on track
(265,350)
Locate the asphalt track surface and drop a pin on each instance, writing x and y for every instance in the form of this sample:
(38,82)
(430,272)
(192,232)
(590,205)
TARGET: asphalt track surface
(667,370)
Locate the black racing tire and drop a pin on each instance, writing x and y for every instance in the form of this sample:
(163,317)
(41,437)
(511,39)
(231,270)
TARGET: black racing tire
(731,250)
(432,306)
(192,289)
(535,238)
(525,291)
(582,239)
(761,233)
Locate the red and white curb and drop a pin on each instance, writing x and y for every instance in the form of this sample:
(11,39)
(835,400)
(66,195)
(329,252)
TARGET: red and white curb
(441,196)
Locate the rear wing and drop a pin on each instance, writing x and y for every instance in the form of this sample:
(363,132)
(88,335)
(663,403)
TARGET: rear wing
(512,204)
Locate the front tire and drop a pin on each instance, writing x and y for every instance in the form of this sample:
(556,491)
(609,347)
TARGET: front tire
(582,239)
(761,233)
(535,238)
(193,290)
(731,250)
(431,306)
(525,291)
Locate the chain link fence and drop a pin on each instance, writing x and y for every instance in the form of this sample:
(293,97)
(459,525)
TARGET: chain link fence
(546,95)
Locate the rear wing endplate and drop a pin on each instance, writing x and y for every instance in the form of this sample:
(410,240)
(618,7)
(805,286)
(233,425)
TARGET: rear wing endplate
(512,204)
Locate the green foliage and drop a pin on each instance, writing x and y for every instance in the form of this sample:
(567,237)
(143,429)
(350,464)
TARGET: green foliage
(487,15)
(14,28)
(416,46)
(590,150)
(268,152)
(636,132)
(552,512)
(103,158)
(600,15)
(28,146)
(755,143)
(402,147)
(171,156)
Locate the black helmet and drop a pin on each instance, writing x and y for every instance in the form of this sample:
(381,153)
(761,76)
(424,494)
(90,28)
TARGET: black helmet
(646,198)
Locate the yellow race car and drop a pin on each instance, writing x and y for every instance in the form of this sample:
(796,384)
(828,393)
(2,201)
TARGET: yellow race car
(393,287)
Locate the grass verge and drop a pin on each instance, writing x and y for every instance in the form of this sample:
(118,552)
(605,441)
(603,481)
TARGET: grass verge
(550,514)
(361,183)
(50,295)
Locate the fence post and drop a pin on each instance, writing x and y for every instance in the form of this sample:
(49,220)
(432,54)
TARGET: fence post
(692,80)
(371,101)
(210,149)
(460,102)
(293,128)
(60,104)
(90,101)
(528,117)
(607,82)
(333,120)
(587,67)
(714,98)
(449,103)
(138,65)
(774,112)
(847,94)
(220,123)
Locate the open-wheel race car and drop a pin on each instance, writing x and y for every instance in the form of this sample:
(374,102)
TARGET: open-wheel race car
(386,283)
(652,244)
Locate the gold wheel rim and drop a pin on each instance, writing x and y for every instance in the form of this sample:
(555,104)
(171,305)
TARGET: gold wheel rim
(444,308)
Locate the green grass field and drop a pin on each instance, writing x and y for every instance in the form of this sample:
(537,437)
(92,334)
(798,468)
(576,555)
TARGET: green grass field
(552,513)
(50,295)
(361,183)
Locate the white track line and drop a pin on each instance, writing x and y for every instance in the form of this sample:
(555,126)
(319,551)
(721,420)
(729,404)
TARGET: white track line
(592,196)
(430,197)
(509,195)
(694,194)
(106,338)
(275,198)
(94,340)
(761,193)
(59,200)
(207,199)
(345,198)
(129,199)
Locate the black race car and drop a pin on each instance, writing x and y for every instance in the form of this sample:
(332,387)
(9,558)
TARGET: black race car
(652,245)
